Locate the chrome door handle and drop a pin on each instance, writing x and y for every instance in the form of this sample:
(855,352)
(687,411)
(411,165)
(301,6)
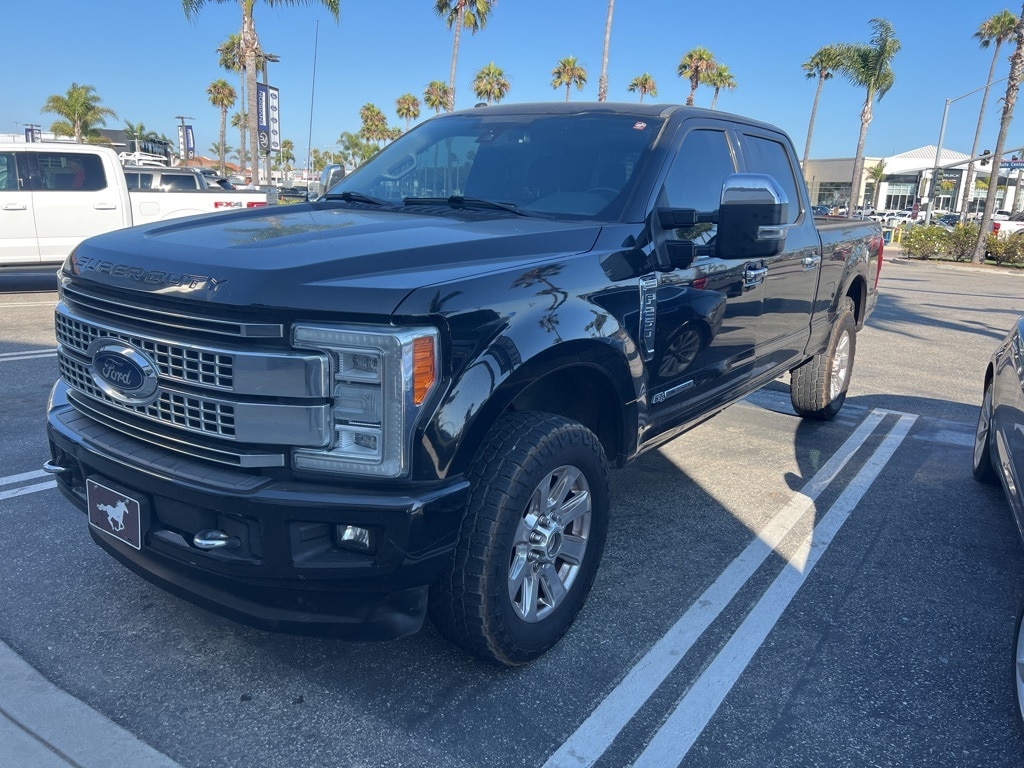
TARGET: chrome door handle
(753,276)
(15,206)
(105,207)
(810,262)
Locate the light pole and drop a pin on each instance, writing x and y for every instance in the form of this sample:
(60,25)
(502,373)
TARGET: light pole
(938,149)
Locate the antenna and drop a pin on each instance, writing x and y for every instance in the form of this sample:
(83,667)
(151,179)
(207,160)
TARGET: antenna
(312,92)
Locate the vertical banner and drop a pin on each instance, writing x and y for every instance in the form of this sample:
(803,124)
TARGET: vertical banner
(190,142)
(181,141)
(262,117)
(275,119)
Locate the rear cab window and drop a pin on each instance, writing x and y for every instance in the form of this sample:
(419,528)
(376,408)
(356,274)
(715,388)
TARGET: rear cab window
(71,171)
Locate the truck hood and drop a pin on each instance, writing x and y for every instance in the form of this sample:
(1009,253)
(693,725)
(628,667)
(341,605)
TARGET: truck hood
(320,256)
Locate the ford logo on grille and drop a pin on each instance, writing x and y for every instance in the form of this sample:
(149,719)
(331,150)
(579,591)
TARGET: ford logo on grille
(123,372)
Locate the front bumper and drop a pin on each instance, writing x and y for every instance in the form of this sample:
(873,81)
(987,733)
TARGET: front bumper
(287,571)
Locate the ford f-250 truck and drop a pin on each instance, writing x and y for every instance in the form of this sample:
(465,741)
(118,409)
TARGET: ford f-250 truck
(54,195)
(404,396)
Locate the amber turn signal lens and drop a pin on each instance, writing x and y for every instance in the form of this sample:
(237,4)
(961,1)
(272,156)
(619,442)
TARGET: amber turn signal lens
(424,368)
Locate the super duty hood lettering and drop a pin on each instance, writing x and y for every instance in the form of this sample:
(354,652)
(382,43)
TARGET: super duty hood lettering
(150,277)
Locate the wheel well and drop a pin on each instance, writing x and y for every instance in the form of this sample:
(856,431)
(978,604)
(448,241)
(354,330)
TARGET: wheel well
(580,393)
(858,294)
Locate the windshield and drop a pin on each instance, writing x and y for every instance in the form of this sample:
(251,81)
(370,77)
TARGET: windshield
(576,166)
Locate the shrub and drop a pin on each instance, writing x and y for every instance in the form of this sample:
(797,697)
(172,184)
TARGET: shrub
(962,241)
(921,242)
(1010,250)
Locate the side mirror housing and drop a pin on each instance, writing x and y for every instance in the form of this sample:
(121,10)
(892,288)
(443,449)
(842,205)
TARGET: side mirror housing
(752,218)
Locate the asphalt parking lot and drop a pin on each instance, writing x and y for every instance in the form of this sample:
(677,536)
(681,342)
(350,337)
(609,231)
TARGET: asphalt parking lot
(773,593)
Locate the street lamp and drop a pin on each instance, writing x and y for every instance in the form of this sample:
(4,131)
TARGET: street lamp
(938,148)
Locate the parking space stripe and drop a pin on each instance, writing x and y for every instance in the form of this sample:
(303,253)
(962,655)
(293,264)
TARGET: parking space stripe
(10,357)
(26,489)
(584,747)
(677,735)
(12,479)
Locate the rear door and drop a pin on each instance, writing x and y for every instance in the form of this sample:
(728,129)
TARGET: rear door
(791,277)
(18,243)
(74,198)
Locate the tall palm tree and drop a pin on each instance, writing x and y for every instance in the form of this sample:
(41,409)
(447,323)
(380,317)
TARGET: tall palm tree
(822,65)
(490,83)
(81,111)
(241,122)
(869,66)
(407,107)
(602,81)
(645,85)
(436,96)
(459,14)
(250,44)
(1009,101)
(718,78)
(222,96)
(569,72)
(996,29)
(231,57)
(375,124)
(694,65)
(877,176)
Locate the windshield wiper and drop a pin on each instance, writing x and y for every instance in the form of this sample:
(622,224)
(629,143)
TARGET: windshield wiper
(358,197)
(458,201)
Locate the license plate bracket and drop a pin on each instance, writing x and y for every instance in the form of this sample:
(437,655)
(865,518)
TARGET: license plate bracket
(115,513)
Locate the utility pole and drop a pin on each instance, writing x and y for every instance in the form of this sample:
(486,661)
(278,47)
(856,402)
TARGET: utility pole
(182,144)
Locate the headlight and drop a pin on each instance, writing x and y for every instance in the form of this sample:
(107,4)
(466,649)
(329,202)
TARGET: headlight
(381,376)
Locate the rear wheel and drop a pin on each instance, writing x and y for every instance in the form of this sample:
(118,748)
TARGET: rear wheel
(984,469)
(531,540)
(818,387)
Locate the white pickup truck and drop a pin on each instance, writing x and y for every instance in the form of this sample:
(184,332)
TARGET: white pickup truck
(53,196)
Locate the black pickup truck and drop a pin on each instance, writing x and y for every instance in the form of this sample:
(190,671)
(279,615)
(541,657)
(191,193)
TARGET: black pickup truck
(404,396)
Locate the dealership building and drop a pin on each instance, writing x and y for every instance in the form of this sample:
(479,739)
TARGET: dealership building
(908,180)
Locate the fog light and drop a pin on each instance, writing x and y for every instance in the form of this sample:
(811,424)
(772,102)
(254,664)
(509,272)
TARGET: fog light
(354,537)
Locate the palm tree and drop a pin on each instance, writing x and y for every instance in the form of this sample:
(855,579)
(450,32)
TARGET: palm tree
(375,124)
(437,96)
(823,66)
(869,66)
(1009,101)
(137,133)
(407,107)
(232,58)
(250,45)
(645,85)
(222,96)
(286,155)
(490,83)
(997,29)
(471,14)
(602,81)
(81,111)
(694,65)
(569,72)
(877,176)
(718,78)
(241,122)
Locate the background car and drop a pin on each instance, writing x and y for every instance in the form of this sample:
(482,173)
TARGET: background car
(820,210)
(999,448)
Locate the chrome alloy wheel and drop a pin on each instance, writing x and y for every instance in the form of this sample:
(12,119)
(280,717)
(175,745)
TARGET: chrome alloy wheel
(1018,667)
(550,544)
(840,367)
(981,436)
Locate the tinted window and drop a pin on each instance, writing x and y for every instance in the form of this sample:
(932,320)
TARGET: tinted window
(179,182)
(72,171)
(8,172)
(767,156)
(696,177)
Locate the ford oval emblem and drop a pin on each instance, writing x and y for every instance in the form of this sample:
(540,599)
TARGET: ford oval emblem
(123,372)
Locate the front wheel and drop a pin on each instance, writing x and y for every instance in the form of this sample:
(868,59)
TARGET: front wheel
(818,387)
(531,540)
(982,465)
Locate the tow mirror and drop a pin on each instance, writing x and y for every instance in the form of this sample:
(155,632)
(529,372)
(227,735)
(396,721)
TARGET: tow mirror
(752,218)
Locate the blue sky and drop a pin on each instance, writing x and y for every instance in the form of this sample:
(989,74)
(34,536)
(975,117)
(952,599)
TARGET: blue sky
(149,64)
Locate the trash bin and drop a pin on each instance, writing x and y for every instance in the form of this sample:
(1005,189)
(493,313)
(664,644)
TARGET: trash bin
(887,235)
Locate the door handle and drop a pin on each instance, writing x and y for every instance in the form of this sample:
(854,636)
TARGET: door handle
(105,207)
(15,207)
(810,262)
(754,276)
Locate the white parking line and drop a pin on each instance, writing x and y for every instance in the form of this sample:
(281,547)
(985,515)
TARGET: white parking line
(584,747)
(8,357)
(26,489)
(12,479)
(673,740)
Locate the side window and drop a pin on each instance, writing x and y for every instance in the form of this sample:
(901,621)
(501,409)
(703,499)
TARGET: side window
(700,168)
(178,182)
(768,156)
(8,172)
(72,171)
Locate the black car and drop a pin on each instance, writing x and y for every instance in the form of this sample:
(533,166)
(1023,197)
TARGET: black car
(999,446)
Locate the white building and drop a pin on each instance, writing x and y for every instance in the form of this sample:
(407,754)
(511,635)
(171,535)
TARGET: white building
(908,180)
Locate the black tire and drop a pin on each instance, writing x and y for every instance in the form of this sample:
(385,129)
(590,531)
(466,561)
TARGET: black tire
(499,598)
(818,387)
(982,458)
(1018,667)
